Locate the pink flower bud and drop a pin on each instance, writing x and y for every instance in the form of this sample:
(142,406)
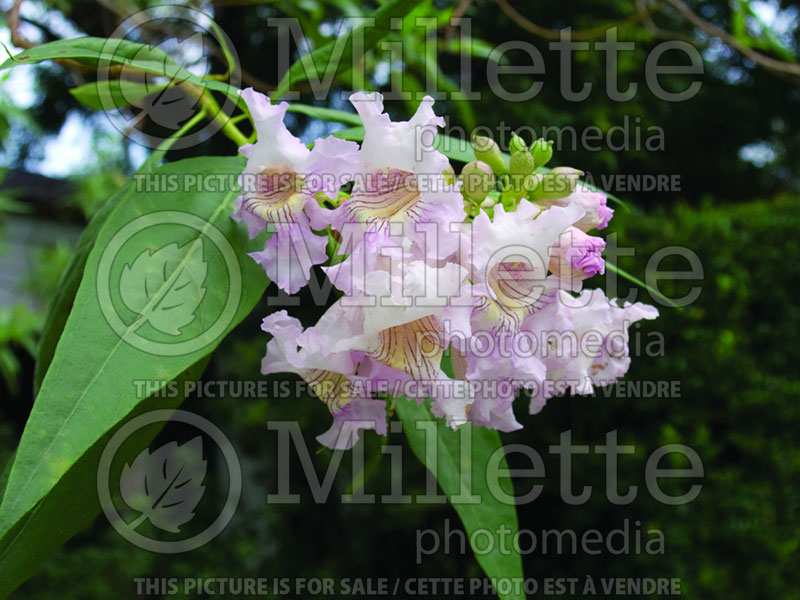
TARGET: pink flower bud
(598,214)
(577,256)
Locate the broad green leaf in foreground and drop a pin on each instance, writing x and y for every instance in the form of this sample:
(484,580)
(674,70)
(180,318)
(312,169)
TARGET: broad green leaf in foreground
(72,504)
(141,281)
(89,387)
(64,297)
(62,302)
(468,462)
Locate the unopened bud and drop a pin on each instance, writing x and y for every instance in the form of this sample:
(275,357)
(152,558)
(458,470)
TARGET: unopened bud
(577,256)
(594,202)
(542,152)
(558,183)
(487,150)
(471,209)
(520,165)
(517,144)
(531,184)
(478,180)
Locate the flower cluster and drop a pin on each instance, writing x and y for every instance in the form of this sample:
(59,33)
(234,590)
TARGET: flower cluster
(462,290)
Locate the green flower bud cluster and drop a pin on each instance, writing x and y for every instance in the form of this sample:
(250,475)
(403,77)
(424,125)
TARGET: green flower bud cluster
(517,144)
(522,175)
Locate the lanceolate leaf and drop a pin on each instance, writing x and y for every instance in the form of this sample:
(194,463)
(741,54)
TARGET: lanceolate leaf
(95,51)
(73,504)
(151,271)
(89,387)
(351,133)
(116,93)
(68,284)
(462,463)
(326,114)
(68,287)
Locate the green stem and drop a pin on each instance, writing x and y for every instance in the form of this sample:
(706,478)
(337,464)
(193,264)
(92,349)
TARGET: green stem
(228,127)
(155,157)
(214,112)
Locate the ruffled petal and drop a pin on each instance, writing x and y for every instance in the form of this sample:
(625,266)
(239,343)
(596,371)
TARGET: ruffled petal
(360,414)
(583,341)
(400,189)
(290,253)
(403,145)
(393,202)
(332,163)
(276,145)
(282,352)
(452,401)
(254,224)
(496,375)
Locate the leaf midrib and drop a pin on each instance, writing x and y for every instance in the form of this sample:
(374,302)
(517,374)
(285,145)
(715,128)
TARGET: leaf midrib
(79,401)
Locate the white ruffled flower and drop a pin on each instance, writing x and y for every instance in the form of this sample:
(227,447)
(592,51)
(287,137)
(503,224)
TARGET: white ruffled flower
(278,186)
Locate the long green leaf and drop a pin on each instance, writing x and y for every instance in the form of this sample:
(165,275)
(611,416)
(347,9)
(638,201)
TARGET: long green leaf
(89,387)
(355,134)
(470,46)
(61,304)
(460,472)
(116,93)
(72,504)
(93,51)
